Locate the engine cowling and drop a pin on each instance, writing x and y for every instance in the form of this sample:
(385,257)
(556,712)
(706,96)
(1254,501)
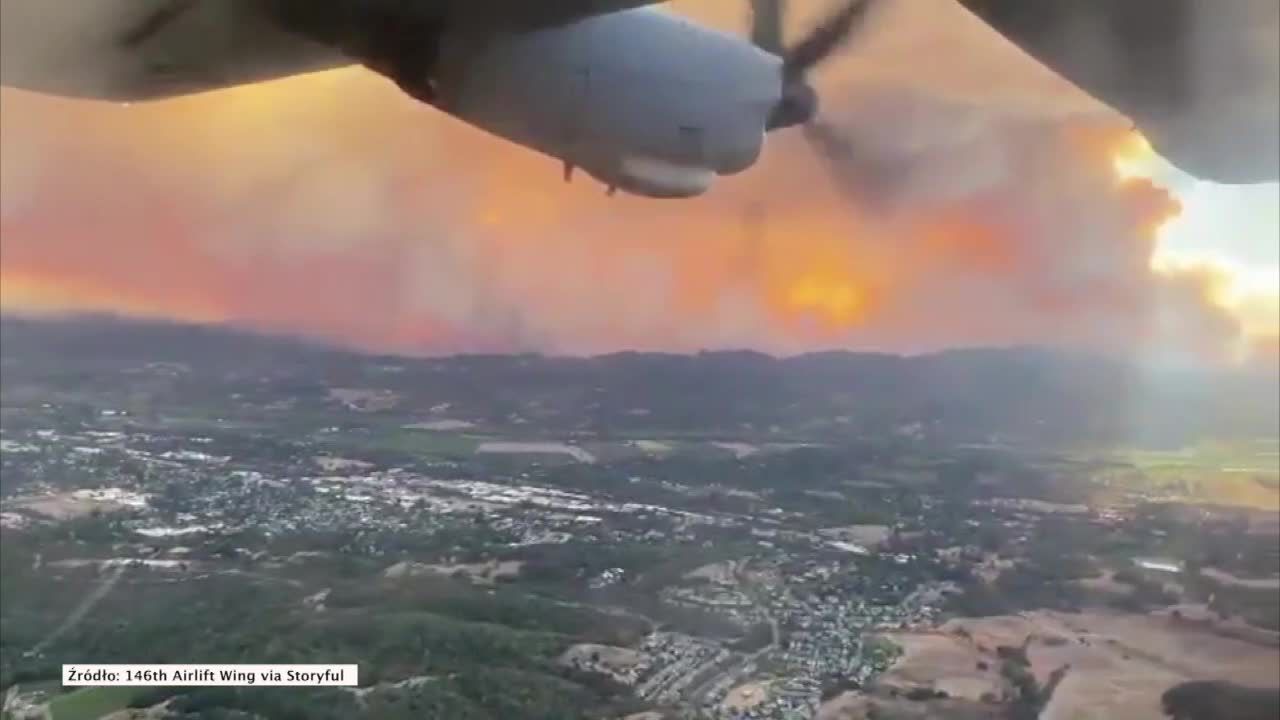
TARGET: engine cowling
(642,100)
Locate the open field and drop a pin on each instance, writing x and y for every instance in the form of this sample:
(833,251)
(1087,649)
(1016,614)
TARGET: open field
(1258,456)
(946,661)
(1242,474)
(1120,664)
(746,696)
(91,703)
(858,706)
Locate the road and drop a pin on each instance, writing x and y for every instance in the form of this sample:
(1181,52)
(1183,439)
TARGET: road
(775,635)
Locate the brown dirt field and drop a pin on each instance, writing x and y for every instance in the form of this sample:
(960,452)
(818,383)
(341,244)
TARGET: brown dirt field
(747,696)
(1209,621)
(1120,663)
(858,706)
(945,661)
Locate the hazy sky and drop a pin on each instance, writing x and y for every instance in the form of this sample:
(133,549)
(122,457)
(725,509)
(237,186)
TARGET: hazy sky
(331,205)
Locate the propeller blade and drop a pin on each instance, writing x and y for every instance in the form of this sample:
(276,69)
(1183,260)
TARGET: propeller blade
(766,25)
(834,150)
(826,38)
(866,180)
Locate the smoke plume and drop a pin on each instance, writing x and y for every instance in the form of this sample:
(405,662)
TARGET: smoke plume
(946,212)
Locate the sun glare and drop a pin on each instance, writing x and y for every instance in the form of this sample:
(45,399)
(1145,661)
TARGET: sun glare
(1228,234)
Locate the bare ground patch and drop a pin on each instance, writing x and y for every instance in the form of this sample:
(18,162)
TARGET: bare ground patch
(746,696)
(619,663)
(721,573)
(1120,664)
(77,503)
(485,573)
(853,705)
(870,536)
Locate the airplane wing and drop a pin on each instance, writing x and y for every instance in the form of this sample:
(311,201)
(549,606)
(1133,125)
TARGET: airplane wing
(538,13)
(1201,79)
(150,49)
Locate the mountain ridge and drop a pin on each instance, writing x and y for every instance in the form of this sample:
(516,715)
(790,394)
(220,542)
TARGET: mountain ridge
(968,395)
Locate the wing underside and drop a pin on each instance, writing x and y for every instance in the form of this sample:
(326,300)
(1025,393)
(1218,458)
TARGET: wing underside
(148,49)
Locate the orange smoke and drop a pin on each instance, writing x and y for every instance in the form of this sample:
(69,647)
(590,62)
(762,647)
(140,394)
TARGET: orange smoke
(331,206)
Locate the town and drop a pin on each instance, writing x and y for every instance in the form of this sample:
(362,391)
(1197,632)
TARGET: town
(629,569)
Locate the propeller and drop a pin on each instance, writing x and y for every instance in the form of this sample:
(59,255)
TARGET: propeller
(871,181)
(799,102)
(853,172)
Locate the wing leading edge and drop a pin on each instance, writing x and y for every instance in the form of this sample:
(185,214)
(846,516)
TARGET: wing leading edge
(128,50)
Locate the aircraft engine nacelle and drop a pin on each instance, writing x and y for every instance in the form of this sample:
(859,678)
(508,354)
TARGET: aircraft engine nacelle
(642,100)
